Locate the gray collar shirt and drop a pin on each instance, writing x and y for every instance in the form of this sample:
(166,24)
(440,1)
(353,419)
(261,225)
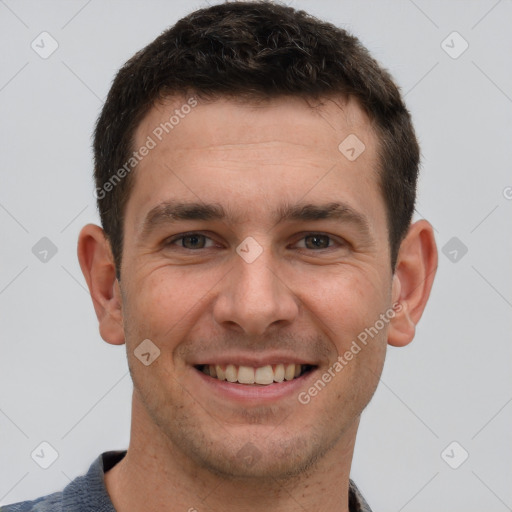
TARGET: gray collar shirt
(88,493)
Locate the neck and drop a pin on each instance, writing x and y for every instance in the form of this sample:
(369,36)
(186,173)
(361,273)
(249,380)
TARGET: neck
(157,475)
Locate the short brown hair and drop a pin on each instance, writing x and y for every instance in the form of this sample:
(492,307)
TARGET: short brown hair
(255,50)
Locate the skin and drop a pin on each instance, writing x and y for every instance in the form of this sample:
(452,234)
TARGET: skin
(187,443)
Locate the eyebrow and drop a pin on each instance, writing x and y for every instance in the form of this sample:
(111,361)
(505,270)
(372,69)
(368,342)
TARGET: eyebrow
(169,212)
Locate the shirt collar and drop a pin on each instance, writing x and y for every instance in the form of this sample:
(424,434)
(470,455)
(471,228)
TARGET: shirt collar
(356,502)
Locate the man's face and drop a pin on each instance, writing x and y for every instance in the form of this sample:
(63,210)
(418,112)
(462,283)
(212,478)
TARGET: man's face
(251,289)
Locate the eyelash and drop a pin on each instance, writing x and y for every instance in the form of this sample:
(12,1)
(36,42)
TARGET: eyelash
(171,241)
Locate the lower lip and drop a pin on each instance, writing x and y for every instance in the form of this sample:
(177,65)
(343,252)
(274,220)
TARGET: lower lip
(256,394)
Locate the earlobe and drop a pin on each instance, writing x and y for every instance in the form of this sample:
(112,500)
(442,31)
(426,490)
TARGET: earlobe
(412,281)
(97,264)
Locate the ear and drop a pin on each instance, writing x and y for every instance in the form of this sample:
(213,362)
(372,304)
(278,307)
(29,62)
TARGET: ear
(97,264)
(412,281)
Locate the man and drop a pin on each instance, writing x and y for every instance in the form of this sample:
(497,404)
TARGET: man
(255,174)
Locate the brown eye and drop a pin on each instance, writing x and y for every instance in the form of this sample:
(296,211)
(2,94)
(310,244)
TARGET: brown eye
(317,241)
(193,241)
(320,243)
(189,241)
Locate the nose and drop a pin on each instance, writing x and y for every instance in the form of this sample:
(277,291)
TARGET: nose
(254,297)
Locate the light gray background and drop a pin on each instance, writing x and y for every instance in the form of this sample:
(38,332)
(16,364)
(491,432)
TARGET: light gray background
(62,384)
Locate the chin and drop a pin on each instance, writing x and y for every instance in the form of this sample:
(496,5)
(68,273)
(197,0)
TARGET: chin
(257,458)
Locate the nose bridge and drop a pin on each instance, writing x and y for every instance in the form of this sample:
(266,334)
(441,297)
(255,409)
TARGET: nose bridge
(255,296)
(257,279)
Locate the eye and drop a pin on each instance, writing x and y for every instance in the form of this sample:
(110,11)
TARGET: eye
(318,241)
(189,241)
(193,241)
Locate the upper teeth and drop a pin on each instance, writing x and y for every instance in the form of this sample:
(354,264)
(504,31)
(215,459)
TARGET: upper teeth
(248,375)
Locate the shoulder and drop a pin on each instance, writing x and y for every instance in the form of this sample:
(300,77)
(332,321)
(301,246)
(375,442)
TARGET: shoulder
(49,503)
(86,493)
(357,503)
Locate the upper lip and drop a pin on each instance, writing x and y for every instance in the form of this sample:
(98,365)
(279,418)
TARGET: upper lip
(252,360)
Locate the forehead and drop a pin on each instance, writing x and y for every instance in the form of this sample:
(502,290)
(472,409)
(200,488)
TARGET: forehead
(318,124)
(264,154)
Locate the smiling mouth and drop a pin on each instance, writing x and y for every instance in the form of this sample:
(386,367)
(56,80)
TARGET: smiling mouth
(262,376)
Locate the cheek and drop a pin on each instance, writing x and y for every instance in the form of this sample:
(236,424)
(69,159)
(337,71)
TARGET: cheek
(347,303)
(164,305)
(362,339)
(164,298)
